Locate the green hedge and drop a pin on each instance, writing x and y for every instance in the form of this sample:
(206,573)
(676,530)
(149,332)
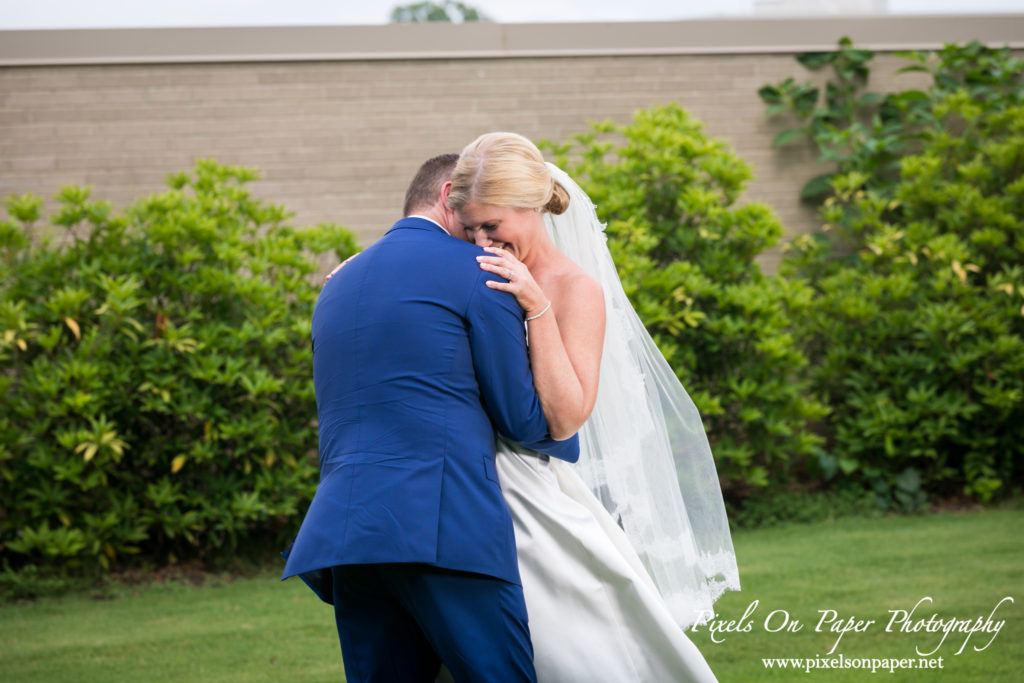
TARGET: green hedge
(156,399)
(916,329)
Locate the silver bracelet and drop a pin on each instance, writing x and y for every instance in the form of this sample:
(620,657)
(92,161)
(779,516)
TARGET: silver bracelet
(534,317)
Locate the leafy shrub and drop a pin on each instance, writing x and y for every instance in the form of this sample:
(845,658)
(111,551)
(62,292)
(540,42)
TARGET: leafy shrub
(917,328)
(685,253)
(842,120)
(797,505)
(29,582)
(155,388)
(870,132)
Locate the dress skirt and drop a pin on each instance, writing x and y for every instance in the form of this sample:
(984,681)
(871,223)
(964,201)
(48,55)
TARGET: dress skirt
(595,615)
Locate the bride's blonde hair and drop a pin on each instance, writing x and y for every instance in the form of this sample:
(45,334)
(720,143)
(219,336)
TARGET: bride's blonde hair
(505,169)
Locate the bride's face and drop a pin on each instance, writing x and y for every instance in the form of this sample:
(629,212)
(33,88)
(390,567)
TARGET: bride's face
(497,226)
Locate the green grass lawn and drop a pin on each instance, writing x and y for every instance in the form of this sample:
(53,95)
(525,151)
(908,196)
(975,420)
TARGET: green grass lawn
(256,629)
(966,563)
(259,629)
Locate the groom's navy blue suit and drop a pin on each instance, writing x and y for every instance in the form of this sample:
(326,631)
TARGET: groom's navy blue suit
(416,363)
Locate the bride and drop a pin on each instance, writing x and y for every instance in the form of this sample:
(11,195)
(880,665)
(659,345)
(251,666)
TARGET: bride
(623,550)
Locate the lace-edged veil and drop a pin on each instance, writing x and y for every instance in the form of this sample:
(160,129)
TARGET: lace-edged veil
(643,451)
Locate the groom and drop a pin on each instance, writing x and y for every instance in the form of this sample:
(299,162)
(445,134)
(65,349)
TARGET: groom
(416,363)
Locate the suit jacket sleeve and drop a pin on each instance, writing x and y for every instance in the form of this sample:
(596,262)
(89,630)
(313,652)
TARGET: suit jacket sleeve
(497,340)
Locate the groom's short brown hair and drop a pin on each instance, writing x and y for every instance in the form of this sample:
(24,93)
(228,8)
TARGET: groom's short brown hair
(427,182)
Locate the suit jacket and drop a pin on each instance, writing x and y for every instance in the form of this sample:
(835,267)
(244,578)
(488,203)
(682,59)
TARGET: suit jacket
(416,363)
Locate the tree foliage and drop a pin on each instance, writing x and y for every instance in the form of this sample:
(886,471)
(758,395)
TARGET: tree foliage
(916,332)
(155,386)
(450,11)
(869,132)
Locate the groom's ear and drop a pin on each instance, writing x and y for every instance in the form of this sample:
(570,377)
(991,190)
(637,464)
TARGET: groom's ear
(446,190)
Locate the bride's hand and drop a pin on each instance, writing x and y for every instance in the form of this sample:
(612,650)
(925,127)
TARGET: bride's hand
(339,267)
(520,281)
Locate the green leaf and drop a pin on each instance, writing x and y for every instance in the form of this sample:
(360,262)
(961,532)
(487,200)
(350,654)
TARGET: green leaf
(848,465)
(805,102)
(787,136)
(770,94)
(913,55)
(870,98)
(815,60)
(817,187)
(24,208)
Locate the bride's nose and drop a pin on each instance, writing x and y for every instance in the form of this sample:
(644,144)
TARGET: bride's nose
(480,238)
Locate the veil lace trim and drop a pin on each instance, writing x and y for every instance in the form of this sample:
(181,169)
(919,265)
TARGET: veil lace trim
(643,451)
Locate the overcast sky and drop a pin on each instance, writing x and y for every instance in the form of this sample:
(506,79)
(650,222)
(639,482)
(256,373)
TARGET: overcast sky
(27,14)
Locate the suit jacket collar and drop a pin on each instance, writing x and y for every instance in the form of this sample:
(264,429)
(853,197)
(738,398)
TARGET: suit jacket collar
(418,224)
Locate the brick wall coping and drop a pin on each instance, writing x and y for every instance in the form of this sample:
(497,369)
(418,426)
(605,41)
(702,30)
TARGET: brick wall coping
(490,40)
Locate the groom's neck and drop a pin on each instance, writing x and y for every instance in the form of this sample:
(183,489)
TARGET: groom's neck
(431,219)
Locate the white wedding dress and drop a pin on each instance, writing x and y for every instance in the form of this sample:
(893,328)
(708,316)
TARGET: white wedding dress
(595,615)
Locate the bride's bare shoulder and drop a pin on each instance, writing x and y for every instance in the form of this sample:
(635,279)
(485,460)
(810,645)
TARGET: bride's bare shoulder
(579,309)
(578,291)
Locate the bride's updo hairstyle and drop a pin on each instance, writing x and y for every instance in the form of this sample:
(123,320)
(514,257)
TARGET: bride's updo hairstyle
(507,170)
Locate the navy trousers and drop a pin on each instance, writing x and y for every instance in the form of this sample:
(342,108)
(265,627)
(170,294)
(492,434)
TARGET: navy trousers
(398,622)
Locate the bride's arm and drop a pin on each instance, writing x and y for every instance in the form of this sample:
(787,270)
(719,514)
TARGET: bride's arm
(565,341)
(565,355)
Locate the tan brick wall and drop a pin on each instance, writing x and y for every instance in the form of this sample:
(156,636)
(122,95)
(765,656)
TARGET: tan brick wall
(338,140)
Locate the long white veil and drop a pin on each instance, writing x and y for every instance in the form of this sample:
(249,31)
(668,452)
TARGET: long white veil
(643,451)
